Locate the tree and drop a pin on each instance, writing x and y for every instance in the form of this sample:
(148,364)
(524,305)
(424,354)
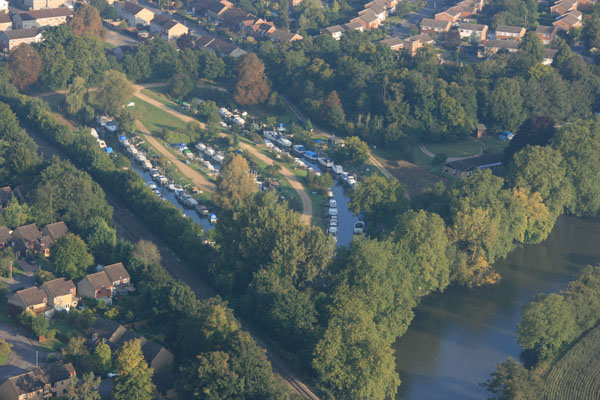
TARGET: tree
(535,131)
(332,111)
(354,151)
(57,67)
(251,86)
(532,46)
(4,349)
(114,90)
(76,96)
(186,41)
(235,184)
(180,85)
(547,325)
(87,389)
(101,239)
(87,21)
(134,379)
(591,33)
(7,260)
(378,198)
(146,252)
(69,256)
(505,105)
(16,214)
(210,376)
(40,325)
(511,381)
(25,66)
(209,110)
(103,358)
(127,117)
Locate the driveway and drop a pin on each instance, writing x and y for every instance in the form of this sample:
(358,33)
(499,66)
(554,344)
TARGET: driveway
(23,355)
(118,39)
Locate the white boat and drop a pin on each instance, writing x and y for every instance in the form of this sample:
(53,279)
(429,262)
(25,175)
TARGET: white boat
(152,185)
(171,187)
(338,170)
(188,201)
(332,203)
(310,156)
(359,227)
(333,230)
(325,162)
(269,144)
(200,146)
(146,165)
(139,157)
(218,158)
(299,149)
(209,152)
(284,141)
(162,180)
(154,172)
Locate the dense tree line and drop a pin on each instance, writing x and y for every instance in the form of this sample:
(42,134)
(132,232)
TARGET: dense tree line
(357,87)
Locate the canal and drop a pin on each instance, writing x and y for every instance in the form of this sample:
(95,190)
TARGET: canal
(457,337)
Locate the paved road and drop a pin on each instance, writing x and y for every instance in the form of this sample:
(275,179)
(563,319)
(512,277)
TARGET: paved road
(307,207)
(131,228)
(23,354)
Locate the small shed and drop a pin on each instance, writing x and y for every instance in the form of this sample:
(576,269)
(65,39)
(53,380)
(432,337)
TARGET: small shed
(481,130)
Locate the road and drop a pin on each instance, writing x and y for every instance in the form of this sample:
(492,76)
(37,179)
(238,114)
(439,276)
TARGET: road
(129,227)
(307,206)
(23,352)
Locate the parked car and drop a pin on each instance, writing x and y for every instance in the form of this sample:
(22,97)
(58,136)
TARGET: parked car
(359,227)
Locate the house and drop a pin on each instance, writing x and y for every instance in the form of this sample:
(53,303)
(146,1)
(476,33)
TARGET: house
(395,44)
(414,43)
(213,8)
(5,25)
(467,8)
(435,26)
(25,237)
(3,6)
(569,21)
(353,26)
(118,275)
(236,18)
(61,294)
(562,7)
(46,381)
(546,33)
(6,193)
(281,36)
(262,28)
(390,5)
(55,230)
(33,299)
(39,18)
(106,330)
(452,14)
(134,14)
(494,46)
(549,56)
(368,20)
(96,286)
(167,27)
(465,168)
(475,31)
(379,11)
(334,31)
(41,4)
(506,32)
(219,46)
(296,3)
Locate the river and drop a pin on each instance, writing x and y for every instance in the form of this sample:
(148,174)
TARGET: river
(457,337)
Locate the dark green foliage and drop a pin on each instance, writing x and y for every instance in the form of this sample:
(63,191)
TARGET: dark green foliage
(511,381)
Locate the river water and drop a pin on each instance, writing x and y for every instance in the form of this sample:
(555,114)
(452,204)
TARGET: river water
(457,337)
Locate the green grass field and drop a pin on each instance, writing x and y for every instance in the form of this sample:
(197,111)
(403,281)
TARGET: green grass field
(464,148)
(577,374)
(155,119)
(493,144)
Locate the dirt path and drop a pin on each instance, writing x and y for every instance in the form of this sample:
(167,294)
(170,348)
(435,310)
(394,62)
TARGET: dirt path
(196,177)
(430,154)
(307,207)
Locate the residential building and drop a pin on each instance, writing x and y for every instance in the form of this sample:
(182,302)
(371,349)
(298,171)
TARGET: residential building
(368,20)
(50,380)
(494,46)
(549,56)
(452,14)
(118,275)
(5,25)
(61,294)
(262,28)
(39,18)
(379,11)
(546,33)
(569,21)
(353,26)
(411,44)
(334,31)
(10,40)
(236,18)
(212,8)
(281,36)
(562,7)
(390,5)
(96,286)
(167,27)
(219,46)
(472,31)
(55,230)
(435,26)
(395,44)
(3,6)
(467,8)
(465,168)
(134,14)
(32,299)
(41,4)
(506,32)
(25,237)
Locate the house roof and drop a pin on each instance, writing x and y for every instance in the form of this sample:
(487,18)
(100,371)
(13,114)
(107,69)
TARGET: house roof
(59,287)
(509,29)
(32,296)
(35,380)
(45,13)
(116,272)
(452,11)
(376,9)
(55,230)
(393,42)
(236,16)
(544,30)
(352,25)
(422,37)
(331,30)
(107,329)
(5,19)
(6,192)
(576,13)
(472,27)
(164,22)
(550,53)
(99,280)
(28,232)
(470,164)
(130,7)
(218,45)
(284,36)
(502,44)
(434,23)
(569,19)
(4,234)
(369,17)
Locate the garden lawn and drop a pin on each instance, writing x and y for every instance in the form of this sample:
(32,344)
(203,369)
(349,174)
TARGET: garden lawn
(493,144)
(463,148)
(155,119)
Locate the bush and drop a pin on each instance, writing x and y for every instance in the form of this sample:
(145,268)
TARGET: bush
(4,348)
(439,159)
